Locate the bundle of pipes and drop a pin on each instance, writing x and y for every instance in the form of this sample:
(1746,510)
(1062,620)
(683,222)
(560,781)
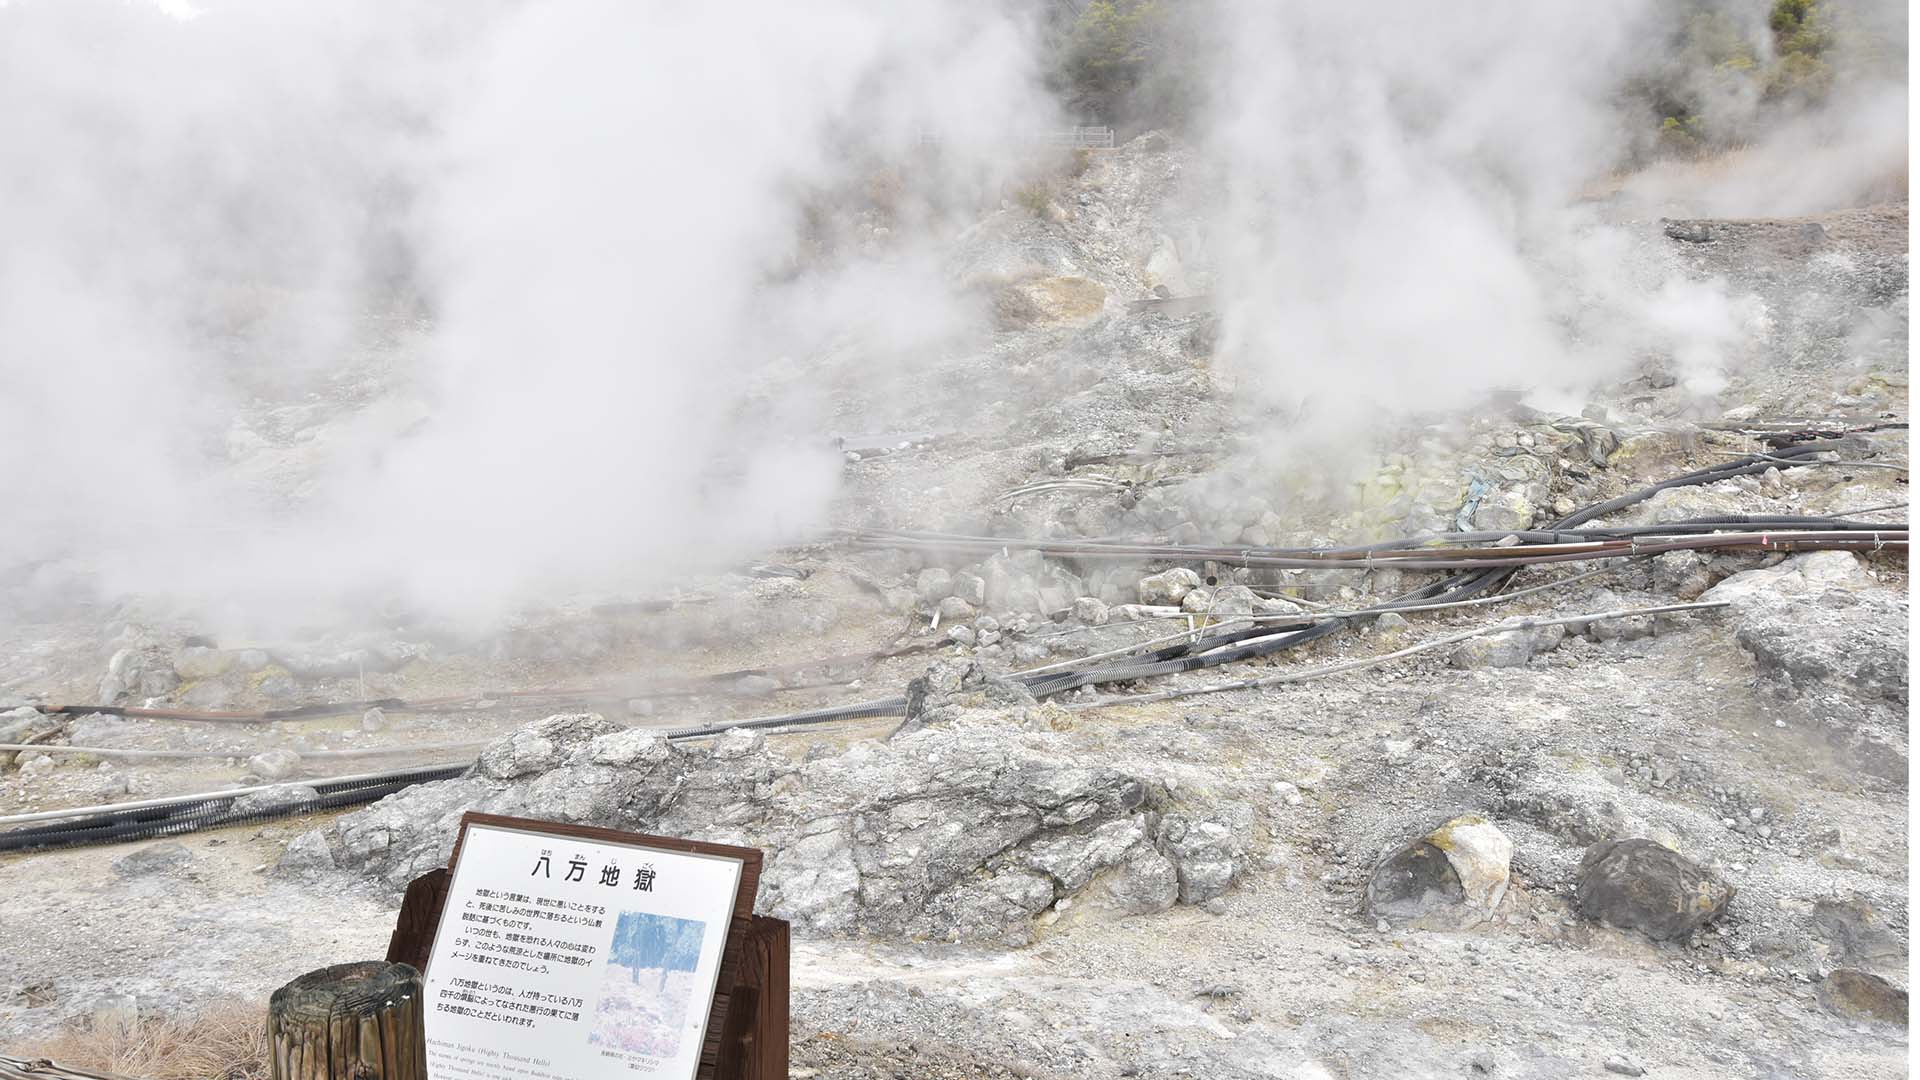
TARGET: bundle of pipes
(1433,552)
(1237,639)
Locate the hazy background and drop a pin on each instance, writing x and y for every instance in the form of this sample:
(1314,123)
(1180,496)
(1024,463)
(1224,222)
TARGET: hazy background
(524,257)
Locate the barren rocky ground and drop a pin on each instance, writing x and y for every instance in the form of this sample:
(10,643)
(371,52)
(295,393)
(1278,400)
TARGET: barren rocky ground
(1672,846)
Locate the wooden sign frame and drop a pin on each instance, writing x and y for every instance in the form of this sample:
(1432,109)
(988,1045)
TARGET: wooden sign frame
(718,1030)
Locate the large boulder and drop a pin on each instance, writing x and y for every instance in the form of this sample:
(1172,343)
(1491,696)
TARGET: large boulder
(1860,995)
(1819,618)
(962,833)
(1454,876)
(25,722)
(1640,885)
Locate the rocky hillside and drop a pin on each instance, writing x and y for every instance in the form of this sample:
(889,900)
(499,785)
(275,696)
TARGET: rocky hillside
(1663,843)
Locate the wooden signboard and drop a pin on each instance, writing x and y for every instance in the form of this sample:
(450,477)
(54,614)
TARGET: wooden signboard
(563,952)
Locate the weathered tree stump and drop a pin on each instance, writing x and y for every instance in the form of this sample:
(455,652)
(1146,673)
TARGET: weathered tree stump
(350,1022)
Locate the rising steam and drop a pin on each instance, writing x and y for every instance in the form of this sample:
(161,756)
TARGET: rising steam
(548,251)
(600,206)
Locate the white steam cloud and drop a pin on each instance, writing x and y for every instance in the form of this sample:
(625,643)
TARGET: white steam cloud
(1402,226)
(567,259)
(600,203)
(1400,229)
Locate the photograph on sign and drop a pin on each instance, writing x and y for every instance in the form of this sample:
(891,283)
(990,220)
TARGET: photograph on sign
(568,954)
(649,983)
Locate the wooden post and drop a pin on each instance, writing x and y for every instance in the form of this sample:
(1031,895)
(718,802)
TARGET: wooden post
(754,1043)
(350,1022)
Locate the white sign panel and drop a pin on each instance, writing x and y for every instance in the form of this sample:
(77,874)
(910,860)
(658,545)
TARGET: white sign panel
(568,959)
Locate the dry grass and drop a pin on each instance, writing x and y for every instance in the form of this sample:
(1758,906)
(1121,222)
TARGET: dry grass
(225,1040)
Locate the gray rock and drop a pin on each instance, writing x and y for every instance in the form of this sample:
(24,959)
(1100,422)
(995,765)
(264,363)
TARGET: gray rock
(1623,1065)
(307,857)
(541,745)
(1168,587)
(630,748)
(1681,573)
(123,673)
(1453,877)
(1147,882)
(157,682)
(1640,885)
(1509,648)
(954,610)
(1233,600)
(1503,511)
(1818,619)
(1197,601)
(274,798)
(1072,859)
(816,876)
(1274,605)
(933,585)
(1862,996)
(25,723)
(1858,935)
(1010,587)
(1206,852)
(943,833)
(930,696)
(279,689)
(165,858)
(115,1015)
(1090,611)
(207,694)
(738,743)
(249,661)
(998,909)
(200,662)
(970,587)
(1055,598)
(374,719)
(274,764)
(1629,628)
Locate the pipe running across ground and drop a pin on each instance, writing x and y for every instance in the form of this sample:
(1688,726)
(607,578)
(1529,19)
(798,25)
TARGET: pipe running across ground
(1472,571)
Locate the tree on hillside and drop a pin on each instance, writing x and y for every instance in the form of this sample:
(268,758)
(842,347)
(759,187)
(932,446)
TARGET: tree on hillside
(1133,63)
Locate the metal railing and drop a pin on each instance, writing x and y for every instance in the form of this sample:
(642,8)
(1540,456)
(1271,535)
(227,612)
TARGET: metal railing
(1086,136)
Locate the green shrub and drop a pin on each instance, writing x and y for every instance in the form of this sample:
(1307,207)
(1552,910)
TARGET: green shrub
(1037,198)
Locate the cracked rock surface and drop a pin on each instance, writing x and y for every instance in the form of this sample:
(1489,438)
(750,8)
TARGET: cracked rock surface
(951,834)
